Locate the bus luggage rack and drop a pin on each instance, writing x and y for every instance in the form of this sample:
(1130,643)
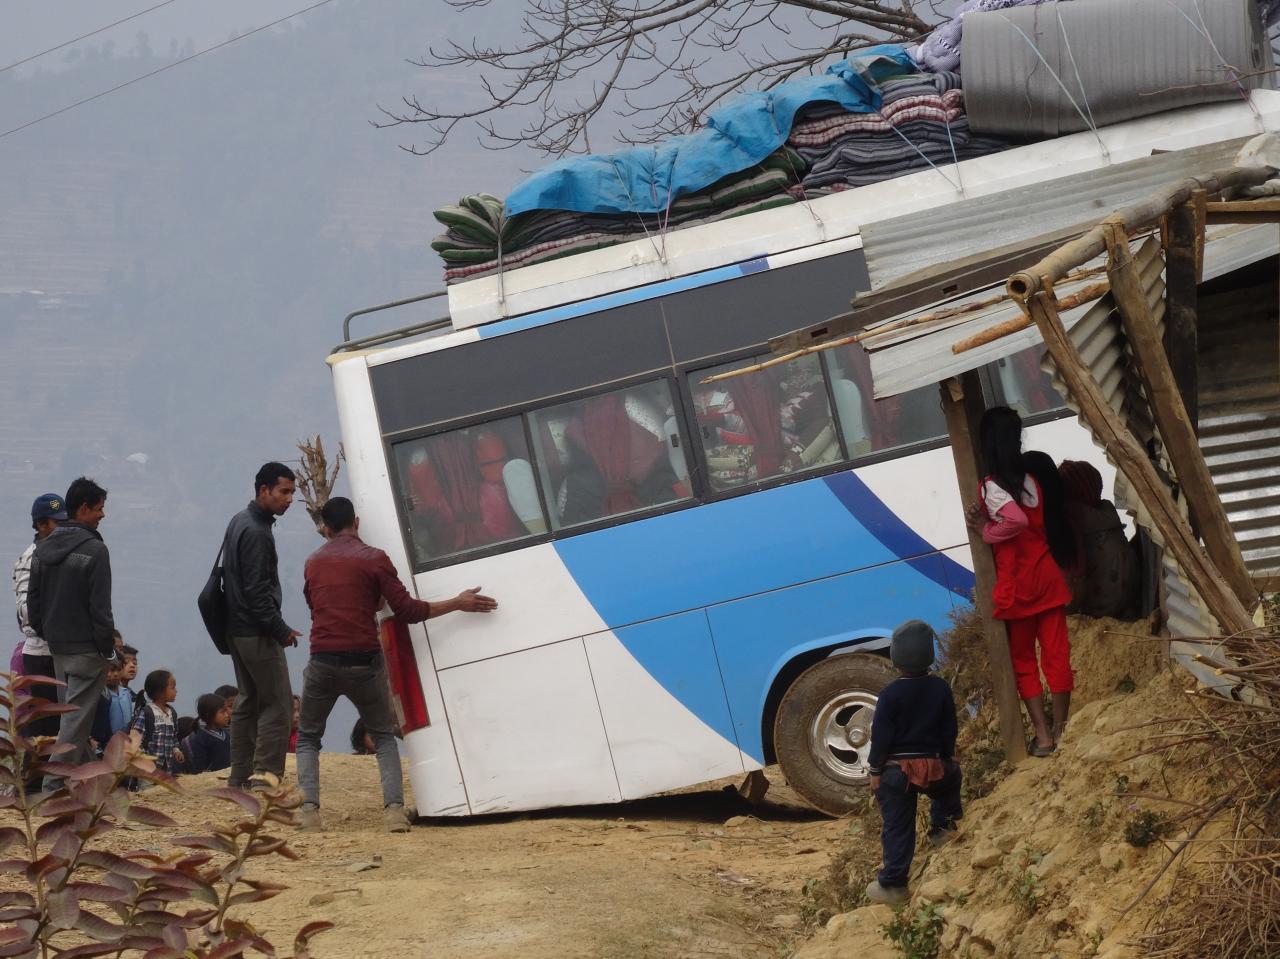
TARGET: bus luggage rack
(378,339)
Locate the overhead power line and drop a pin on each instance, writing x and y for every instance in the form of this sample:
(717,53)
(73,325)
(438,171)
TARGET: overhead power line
(167,66)
(86,36)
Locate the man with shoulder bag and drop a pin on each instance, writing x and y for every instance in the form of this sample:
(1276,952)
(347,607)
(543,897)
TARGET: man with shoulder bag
(257,633)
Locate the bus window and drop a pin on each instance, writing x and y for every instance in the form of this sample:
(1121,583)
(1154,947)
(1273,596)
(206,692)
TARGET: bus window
(468,488)
(1027,388)
(873,425)
(763,424)
(610,454)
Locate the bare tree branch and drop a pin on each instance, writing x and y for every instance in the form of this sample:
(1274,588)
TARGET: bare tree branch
(586,67)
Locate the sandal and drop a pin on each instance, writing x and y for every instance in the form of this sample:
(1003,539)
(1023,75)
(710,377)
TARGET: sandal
(1036,750)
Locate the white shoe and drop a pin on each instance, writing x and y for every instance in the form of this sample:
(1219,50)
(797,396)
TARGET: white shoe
(888,895)
(309,818)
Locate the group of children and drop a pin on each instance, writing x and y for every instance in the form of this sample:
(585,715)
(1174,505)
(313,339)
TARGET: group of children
(1021,514)
(186,744)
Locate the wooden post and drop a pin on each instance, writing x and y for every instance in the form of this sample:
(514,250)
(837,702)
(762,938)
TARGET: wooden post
(962,403)
(1181,337)
(1174,423)
(1132,460)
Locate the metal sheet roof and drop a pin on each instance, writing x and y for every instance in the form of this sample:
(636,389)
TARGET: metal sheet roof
(906,359)
(905,244)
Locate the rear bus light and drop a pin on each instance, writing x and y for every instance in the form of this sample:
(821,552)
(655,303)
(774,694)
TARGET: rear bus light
(402,675)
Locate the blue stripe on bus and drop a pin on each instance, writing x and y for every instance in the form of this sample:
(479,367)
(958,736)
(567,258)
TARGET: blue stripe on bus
(740,560)
(889,529)
(637,295)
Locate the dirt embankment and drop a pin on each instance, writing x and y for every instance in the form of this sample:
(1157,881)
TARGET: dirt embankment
(1041,865)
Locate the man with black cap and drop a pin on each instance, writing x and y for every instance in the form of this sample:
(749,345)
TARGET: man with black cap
(913,746)
(47,512)
(69,604)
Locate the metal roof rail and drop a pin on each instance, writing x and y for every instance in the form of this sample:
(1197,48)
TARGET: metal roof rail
(377,339)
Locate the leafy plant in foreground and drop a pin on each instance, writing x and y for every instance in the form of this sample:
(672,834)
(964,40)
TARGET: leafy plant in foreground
(78,901)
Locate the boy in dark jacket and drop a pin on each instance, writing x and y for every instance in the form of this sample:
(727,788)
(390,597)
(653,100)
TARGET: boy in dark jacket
(913,744)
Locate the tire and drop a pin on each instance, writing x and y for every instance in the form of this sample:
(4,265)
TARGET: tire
(822,731)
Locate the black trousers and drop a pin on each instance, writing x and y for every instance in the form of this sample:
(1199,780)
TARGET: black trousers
(897,800)
(40,666)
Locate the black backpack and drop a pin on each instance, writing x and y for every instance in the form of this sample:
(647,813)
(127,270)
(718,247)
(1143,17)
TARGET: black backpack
(212,603)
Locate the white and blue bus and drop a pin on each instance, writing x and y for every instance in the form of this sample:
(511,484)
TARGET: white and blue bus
(696,580)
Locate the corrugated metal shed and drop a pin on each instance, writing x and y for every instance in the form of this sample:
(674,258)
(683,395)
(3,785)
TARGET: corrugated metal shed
(897,247)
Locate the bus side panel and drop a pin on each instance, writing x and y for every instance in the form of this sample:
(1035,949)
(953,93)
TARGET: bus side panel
(755,637)
(528,730)
(660,739)
(433,764)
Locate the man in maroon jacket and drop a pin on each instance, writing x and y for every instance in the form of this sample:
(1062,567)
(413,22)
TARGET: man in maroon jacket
(346,583)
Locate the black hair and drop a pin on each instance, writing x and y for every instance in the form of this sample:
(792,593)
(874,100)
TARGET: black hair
(338,514)
(1057,529)
(156,682)
(207,707)
(270,474)
(357,738)
(185,726)
(226,692)
(1000,436)
(83,492)
(127,650)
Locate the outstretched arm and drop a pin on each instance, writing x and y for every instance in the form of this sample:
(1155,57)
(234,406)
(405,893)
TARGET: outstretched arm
(468,601)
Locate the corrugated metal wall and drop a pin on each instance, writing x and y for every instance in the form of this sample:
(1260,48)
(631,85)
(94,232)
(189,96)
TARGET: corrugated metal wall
(1240,407)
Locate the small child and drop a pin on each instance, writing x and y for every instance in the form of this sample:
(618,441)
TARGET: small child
(208,748)
(229,693)
(119,695)
(155,722)
(913,744)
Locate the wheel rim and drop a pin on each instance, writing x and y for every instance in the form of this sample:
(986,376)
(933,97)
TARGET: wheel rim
(840,736)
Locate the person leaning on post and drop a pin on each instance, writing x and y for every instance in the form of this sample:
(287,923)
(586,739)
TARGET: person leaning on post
(258,633)
(346,582)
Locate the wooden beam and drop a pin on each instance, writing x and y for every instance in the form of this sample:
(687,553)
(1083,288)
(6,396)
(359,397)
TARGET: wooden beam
(1181,336)
(1174,422)
(1129,455)
(963,405)
(926,287)
(1243,211)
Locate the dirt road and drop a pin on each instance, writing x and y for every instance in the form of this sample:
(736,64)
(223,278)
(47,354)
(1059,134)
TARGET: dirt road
(698,874)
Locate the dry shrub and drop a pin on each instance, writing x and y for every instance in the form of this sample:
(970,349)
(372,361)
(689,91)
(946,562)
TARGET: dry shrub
(1226,902)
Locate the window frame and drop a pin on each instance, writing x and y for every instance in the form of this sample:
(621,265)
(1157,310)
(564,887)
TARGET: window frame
(523,412)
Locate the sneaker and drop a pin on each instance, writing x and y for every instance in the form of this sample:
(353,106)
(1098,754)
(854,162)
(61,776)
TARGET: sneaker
(309,818)
(888,895)
(264,782)
(941,836)
(395,819)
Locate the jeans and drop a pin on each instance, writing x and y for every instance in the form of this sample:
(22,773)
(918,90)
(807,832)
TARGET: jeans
(263,712)
(85,675)
(41,666)
(897,800)
(366,687)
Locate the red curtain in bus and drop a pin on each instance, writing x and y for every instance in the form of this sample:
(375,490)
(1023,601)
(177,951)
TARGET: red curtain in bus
(606,430)
(758,400)
(459,477)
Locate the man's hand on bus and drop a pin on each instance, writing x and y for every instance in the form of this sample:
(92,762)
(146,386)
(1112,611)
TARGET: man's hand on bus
(468,601)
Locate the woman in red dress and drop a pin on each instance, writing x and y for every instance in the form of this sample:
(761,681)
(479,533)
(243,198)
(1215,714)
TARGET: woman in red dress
(1019,518)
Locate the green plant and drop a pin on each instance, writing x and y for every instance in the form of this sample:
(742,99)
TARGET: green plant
(1027,891)
(81,902)
(1126,685)
(1121,784)
(916,935)
(1146,827)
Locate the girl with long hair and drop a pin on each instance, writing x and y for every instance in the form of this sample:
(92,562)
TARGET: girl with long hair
(155,722)
(1020,515)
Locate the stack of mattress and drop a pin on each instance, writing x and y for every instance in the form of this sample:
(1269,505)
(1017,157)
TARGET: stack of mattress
(481,239)
(921,123)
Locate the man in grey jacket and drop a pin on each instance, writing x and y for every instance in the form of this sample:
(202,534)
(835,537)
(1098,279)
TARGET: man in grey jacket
(69,605)
(258,634)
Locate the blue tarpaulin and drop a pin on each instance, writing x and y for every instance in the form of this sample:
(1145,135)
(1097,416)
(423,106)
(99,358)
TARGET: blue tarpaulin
(736,137)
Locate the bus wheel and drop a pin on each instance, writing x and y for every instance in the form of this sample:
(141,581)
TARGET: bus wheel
(822,732)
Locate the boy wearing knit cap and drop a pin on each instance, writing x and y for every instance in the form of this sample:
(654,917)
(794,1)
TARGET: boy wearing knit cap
(913,744)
